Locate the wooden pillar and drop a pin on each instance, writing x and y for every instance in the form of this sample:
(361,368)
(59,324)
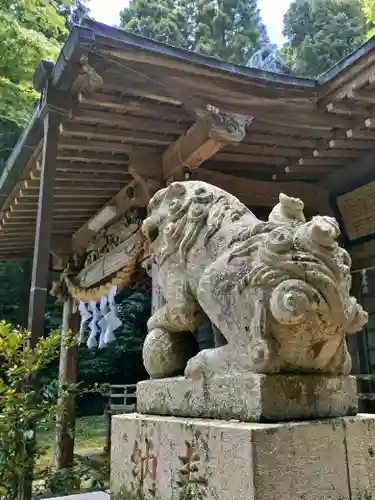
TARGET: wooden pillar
(39,277)
(65,425)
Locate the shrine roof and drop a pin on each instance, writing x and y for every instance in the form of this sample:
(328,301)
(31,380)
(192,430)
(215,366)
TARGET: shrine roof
(303,131)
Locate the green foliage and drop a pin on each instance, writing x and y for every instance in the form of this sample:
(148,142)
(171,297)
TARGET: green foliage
(118,363)
(121,361)
(225,29)
(30,30)
(82,477)
(14,291)
(21,407)
(320,33)
(368,7)
(162,20)
(24,45)
(229,29)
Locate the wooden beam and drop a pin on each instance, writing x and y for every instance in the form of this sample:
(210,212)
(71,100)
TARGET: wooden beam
(354,77)
(370,123)
(265,150)
(93,145)
(353,144)
(342,143)
(361,96)
(79,156)
(87,168)
(209,134)
(115,134)
(126,104)
(102,178)
(289,131)
(127,122)
(354,133)
(348,109)
(275,140)
(332,154)
(245,158)
(266,194)
(65,194)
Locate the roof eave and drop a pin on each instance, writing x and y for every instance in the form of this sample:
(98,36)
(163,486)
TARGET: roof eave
(22,152)
(105,35)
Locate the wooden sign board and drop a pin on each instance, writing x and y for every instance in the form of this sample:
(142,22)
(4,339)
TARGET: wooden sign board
(357,211)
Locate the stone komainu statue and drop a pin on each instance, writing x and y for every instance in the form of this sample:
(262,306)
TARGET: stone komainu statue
(277,290)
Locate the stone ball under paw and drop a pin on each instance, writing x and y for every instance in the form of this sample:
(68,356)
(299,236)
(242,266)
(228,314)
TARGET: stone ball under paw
(166,354)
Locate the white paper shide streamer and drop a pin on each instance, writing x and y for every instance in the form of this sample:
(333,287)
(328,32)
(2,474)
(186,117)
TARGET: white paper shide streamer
(85,316)
(113,322)
(104,321)
(93,326)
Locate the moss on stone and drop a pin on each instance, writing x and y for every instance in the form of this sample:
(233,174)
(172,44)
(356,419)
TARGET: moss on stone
(131,494)
(186,493)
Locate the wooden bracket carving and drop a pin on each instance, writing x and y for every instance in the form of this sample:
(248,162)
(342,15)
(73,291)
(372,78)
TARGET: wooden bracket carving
(88,78)
(226,128)
(211,132)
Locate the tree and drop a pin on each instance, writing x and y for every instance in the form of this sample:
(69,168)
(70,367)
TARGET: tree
(121,361)
(227,29)
(14,291)
(231,30)
(320,33)
(162,20)
(30,30)
(368,7)
(21,409)
(74,11)
(21,48)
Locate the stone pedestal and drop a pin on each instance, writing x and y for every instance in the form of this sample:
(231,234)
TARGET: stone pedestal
(250,397)
(171,458)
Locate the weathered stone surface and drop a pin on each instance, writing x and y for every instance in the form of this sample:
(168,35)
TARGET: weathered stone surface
(169,458)
(278,291)
(250,397)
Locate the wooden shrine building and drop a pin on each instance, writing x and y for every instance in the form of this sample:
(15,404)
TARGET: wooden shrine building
(120,116)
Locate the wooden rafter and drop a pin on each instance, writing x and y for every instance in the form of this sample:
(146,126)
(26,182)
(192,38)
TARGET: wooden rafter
(355,170)
(266,194)
(345,143)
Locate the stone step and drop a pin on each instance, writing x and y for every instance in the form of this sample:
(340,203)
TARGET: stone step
(95,495)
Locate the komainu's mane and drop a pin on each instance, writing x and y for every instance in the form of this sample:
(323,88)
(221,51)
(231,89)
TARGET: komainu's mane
(189,212)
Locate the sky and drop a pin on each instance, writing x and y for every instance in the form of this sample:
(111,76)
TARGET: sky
(106,11)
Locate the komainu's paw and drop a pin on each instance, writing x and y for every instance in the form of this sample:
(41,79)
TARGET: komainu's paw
(207,362)
(195,368)
(165,354)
